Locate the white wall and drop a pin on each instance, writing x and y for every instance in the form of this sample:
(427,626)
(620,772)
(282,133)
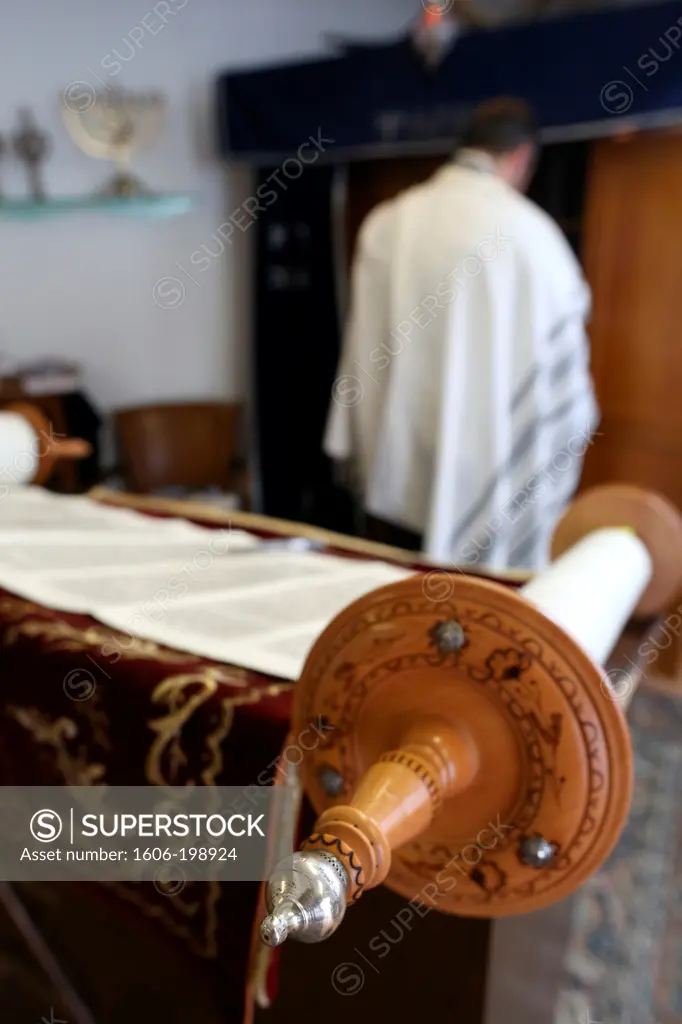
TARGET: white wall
(82,286)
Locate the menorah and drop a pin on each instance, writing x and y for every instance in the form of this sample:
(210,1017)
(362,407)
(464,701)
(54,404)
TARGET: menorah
(112,127)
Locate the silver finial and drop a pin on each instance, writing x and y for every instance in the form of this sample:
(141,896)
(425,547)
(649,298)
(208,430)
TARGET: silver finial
(536,851)
(305,897)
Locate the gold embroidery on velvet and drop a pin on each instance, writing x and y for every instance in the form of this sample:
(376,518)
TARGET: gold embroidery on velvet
(15,608)
(214,743)
(166,757)
(181,696)
(99,723)
(61,735)
(63,637)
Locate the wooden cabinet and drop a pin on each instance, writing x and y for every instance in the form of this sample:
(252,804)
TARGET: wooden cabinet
(632,252)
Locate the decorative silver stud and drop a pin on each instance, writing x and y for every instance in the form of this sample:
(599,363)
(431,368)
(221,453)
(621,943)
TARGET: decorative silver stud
(331,780)
(536,851)
(448,636)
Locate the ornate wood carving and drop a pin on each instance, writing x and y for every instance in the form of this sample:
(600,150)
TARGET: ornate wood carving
(549,752)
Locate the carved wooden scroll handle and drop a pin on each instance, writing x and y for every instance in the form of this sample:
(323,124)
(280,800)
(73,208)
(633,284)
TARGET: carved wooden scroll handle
(49,447)
(476,757)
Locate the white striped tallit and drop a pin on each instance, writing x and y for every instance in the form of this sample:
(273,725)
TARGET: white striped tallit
(464,397)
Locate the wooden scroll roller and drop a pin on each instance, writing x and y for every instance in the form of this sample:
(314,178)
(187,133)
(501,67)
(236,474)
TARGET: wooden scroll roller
(28,447)
(475,756)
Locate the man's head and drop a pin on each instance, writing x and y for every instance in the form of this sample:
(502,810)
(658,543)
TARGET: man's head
(505,129)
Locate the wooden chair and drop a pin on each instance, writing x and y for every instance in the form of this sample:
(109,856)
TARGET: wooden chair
(189,445)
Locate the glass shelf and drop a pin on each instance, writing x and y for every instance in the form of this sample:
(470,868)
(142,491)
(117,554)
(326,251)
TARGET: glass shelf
(169,205)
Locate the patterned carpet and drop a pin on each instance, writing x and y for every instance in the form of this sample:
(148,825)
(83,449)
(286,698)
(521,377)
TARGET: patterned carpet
(624,960)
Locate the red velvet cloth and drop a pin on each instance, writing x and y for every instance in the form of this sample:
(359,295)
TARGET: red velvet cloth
(75,711)
(82,705)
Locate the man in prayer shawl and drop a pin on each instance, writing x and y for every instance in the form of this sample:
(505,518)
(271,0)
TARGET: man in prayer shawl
(464,401)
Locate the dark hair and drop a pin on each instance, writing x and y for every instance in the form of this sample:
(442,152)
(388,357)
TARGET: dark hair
(500,126)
